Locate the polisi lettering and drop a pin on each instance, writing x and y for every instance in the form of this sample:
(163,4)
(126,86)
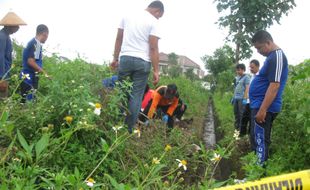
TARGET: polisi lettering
(280,185)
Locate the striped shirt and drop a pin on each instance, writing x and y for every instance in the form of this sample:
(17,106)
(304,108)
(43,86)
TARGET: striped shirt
(275,69)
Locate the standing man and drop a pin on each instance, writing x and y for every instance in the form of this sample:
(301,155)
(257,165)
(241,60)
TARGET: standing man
(246,116)
(239,102)
(32,63)
(11,24)
(137,46)
(266,91)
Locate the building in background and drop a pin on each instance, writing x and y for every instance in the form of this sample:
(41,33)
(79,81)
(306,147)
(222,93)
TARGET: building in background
(184,62)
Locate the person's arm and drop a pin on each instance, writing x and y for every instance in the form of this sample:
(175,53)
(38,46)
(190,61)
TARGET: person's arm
(32,63)
(117,47)
(154,55)
(246,92)
(173,106)
(268,99)
(2,53)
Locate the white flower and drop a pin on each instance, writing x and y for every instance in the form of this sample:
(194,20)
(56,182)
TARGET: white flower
(97,106)
(216,158)
(236,135)
(138,132)
(25,76)
(117,128)
(155,161)
(72,81)
(90,182)
(182,163)
(97,111)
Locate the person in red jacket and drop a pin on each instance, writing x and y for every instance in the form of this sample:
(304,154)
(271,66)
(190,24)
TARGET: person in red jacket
(165,98)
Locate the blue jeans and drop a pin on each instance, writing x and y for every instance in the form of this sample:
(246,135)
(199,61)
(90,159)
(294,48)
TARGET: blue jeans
(138,71)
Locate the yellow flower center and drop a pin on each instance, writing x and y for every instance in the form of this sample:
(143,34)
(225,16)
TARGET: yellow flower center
(167,148)
(91,180)
(69,119)
(183,162)
(97,105)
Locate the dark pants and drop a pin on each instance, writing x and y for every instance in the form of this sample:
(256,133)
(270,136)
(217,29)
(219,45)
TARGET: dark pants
(27,91)
(260,134)
(245,121)
(178,113)
(159,111)
(238,111)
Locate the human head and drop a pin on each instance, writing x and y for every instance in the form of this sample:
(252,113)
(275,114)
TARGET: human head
(254,66)
(263,42)
(11,22)
(156,8)
(171,91)
(240,69)
(42,33)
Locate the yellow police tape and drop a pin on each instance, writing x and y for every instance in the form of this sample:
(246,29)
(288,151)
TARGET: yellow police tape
(296,181)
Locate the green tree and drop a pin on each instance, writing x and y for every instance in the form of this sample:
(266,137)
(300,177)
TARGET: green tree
(221,60)
(220,66)
(174,69)
(244,17)
(190,74)
(173,58)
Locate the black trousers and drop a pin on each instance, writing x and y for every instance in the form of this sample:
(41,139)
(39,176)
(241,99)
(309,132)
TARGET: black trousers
(238,111)
(178,113)
(261,138)
(159,112)
(245,121)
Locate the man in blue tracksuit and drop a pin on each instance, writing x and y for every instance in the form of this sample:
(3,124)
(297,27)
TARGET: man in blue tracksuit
(266,91)
(32,63)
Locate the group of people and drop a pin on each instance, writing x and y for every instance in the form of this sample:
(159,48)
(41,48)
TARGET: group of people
(136,51)
(32,57)
(258,99)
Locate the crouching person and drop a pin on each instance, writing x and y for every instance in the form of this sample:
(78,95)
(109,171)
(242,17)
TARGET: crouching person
(165,98)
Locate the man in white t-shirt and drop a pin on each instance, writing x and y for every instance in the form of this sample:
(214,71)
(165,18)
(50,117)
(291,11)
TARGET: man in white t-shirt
(136,50)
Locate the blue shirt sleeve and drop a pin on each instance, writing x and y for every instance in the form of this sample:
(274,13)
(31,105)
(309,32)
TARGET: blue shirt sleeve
(2,54)
(31,51)
(275,66)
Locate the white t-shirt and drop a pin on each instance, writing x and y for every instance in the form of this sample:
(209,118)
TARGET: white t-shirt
(137,29)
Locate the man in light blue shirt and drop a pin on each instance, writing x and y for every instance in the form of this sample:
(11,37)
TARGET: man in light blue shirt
(242,82)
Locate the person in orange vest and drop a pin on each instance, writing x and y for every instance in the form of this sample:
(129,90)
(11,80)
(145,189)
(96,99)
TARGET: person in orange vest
(165,98)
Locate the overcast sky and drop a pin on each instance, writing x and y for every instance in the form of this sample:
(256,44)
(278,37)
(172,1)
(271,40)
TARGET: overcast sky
(188,27)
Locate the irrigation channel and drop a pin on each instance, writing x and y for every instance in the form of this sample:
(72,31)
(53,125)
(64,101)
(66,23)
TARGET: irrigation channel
(210,137)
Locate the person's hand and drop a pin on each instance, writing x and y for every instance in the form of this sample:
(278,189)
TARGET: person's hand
(114,64)
(165,118)
(244,102)
(260,116)
(182,107)
(155,78)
